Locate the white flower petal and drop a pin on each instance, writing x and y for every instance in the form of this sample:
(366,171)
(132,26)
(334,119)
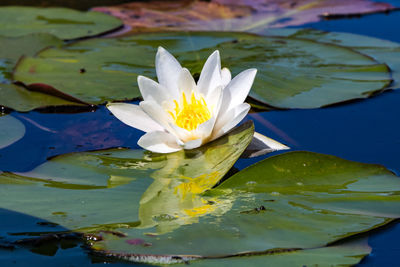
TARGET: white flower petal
(160,142)
(226,76)
(168,70)
(229,120)
(134,116)
(213,100)
(152,90)
(237,90)
(204,130)
(193,144)
(261,145)
(271,143)
(210,76)
(183,134)
(157,113)
(186,83)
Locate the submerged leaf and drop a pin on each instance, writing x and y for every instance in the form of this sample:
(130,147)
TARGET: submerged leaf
(64,23)
(225,15)
(292,73)
(11,130)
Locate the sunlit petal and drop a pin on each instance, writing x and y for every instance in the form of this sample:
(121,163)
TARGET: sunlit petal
(152,90)
(261,145)
(230,120)
(160,142)
(156,112)
(134,116)
(182,134)
(205,129)
(193,144)
(214,99)
(168,70)
(210,76)
(237,90)
(226,76)
(186,82)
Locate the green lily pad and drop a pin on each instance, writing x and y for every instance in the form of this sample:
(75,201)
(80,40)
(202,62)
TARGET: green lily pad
(64,23)
(21,99)
(382,50)
(102,190)
(17,97)
(292,73)
(290,201)
(11,130)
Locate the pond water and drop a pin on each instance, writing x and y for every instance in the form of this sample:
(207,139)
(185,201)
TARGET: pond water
(364,131)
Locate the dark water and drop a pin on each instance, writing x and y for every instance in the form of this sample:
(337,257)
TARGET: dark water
(365,131)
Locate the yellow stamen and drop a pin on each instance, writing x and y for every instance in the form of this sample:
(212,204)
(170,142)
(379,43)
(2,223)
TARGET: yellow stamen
(190,115)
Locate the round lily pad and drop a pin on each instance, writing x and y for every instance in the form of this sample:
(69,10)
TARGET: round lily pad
(292,73)
(11,130)
(64,23)
(21,99)
(291,201)
(382,50)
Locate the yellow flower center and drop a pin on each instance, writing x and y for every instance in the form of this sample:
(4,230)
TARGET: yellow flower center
(190,114)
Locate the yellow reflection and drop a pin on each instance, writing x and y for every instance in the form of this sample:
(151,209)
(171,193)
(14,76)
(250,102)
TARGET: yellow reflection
(170,203)
(197,185)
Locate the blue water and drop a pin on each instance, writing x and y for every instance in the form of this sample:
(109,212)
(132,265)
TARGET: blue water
(365,131)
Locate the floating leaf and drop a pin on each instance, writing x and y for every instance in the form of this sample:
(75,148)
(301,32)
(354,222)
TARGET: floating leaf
(81,191)
(21,99)
(290,201)
(62,22)
(12,48)
(17,97)
(292,73)
(382,50)
(11,130)
(226,15)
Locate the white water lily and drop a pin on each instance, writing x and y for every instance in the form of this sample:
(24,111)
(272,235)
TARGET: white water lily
(179,114)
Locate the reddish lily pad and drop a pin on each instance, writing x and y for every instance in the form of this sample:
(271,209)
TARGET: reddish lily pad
(225,15)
